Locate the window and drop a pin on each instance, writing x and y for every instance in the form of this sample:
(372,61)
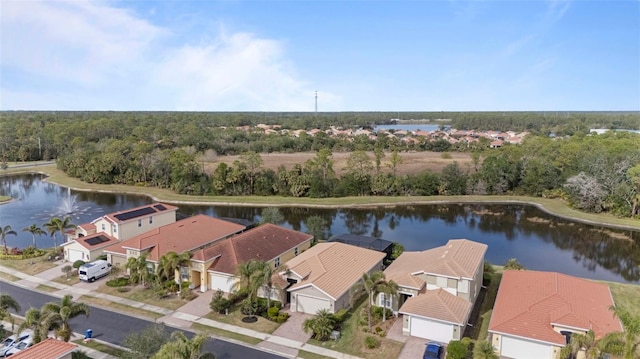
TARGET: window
(295,251)
(103,227)
(184,273)
(276,262)
(139,223)
(150,219)
(385,300)
(115,229)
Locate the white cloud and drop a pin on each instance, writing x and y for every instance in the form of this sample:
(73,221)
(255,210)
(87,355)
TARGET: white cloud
(110,58)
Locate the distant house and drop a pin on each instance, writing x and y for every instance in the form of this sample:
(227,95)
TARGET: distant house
(535,313)
(437,289)
(323,276)
(376,244)
(49,348)
(86,241)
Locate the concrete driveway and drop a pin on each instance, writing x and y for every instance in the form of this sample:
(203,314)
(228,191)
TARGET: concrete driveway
(292,328)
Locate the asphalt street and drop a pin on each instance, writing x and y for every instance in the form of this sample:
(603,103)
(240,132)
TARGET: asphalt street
(113,327)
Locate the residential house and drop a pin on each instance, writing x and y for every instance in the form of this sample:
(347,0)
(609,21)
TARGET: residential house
(535,313)
(437,289)
(268,242)
(49,348)
(322,277)
(87,241)
(187,235)
(377,244)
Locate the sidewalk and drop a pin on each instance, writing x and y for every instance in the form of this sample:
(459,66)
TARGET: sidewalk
(183,316)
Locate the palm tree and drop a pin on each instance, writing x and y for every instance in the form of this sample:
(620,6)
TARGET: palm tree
(170,263)
(371,284)
(182,347)
(57,315)
(321,325)
(484,350)
(249,279)
(34,320)
(626,343)
(33,229)
(4,232)
(138,269)
(7,302)
(587,342)
(265,276)
(56,225)
(387,288)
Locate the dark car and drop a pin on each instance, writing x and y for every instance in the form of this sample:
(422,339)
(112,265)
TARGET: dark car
(433,350)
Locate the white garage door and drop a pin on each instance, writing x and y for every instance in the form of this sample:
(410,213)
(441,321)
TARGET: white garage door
(431,330)
(523,349)
(75,255)
(311,305)
(223,283)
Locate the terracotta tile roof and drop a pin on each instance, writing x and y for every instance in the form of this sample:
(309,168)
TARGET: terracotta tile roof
(88,227)
(49,348)
(153,208)
(333,267)
(265,242)
(97,240)
(184,235)
(529,302)
(459,258)
(438,304)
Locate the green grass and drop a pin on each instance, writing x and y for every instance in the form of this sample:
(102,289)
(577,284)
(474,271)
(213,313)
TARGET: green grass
(309,355)
(626,296)
(101,347)
(225,334)
(46,288)
(480,328)
(4,198)
(29,266)
(555,207)
(9,277)
(144,295)
(235,318)
(120,307)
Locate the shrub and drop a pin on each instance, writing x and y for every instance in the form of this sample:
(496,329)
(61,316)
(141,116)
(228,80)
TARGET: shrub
(457,349)
(103,257)
(122,289)
(341,315)
(219,303)
(67,269)
(371,342)
(282,317)
(77,264)
(171,286)
(376,313)
(272,313)
(185,291)
(446,155)
(118,282)
(237,296)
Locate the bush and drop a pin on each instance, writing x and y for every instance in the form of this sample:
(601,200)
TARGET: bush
(32,252)
(272,313)
(122,289)
(219,303)
(102,257)
(457,349)
(77,264)
(171,286)
(237,296)
(118,282)
(371,342)
(282,317)
(341,315)
(376,313)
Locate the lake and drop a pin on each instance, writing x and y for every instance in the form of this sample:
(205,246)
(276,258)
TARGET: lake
(539,241)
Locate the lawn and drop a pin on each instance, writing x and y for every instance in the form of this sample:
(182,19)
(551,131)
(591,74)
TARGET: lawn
(225,334)
(626,296)
(8,277)
(120,307)
(309,355)
(352,337)
(481,314)
(103,348)
(235,316)
(67,280)
(46,288)
(30,266)
(144,295)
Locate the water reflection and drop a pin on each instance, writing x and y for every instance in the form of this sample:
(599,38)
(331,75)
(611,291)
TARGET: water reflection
(537,240)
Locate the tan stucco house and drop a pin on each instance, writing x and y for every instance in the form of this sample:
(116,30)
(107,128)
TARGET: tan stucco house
(535,313)
(322,277)
(437,289)
(87,241)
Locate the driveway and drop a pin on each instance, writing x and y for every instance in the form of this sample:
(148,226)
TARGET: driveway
(292,328)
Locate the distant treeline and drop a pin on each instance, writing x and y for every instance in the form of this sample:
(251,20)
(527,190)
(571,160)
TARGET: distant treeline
(594,172)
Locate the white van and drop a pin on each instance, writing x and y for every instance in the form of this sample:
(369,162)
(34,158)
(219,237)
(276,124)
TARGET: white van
(91,271)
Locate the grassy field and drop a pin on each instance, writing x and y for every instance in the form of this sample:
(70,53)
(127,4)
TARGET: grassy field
(143,295)
(67,280)
(626,296)
(30,266)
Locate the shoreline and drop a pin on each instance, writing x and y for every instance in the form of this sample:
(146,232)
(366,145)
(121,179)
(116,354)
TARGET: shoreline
(558,208)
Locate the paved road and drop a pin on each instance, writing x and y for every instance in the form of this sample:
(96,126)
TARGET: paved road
(32,164)
(113,327)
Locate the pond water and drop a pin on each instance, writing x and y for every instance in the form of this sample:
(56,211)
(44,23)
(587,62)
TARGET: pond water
(539,241)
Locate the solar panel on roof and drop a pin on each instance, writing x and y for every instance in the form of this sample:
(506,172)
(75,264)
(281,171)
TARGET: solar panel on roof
(160,207)
(97,240)
(135,213)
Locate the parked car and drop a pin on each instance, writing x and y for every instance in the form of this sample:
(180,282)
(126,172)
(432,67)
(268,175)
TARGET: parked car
(433,350)
(11,341)
(22,345)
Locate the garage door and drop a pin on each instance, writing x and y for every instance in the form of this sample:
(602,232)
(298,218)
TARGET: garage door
(75,255)
(524,349)
(424,328)
(223,283)
(311,305)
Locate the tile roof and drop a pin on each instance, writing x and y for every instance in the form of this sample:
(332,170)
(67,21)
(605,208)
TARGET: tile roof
(529,302)
(459,258)
(88,227)
(153,208)
(333,267)
(438,304)
(184,235)
(265,242)
(49,348)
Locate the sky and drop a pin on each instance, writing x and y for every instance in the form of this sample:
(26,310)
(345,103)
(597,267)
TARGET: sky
(364,55)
